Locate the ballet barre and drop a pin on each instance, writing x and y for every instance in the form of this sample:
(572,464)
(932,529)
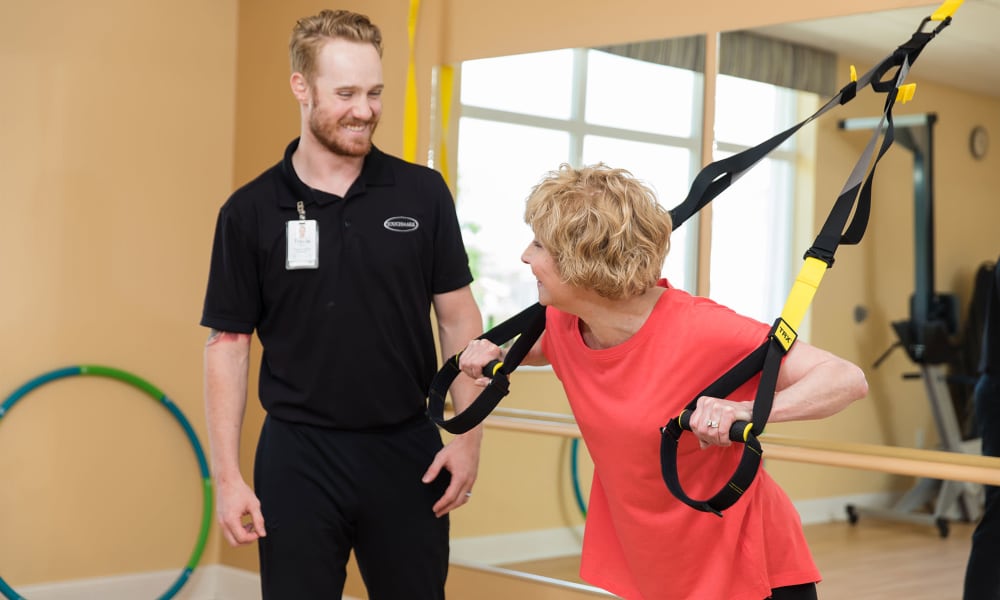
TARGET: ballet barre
(934,464)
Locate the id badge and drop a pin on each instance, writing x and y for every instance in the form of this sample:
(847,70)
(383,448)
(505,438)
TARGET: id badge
(302,250)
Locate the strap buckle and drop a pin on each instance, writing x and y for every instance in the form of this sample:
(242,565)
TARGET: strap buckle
(784,334)
(820,254)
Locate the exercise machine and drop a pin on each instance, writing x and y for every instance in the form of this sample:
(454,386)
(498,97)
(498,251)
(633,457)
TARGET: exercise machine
(927,337)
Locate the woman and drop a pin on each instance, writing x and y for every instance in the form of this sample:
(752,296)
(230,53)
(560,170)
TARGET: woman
(631,352)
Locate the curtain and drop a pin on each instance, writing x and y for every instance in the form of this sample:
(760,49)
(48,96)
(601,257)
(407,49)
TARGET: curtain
(745,55)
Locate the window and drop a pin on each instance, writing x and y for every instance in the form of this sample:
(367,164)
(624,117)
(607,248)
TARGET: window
(752,256)
(522,116)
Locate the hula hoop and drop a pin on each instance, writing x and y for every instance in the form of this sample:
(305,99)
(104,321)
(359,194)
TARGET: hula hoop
(574,468)
(156,394)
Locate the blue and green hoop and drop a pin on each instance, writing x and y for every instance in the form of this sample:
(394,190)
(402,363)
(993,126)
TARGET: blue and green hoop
(156,394)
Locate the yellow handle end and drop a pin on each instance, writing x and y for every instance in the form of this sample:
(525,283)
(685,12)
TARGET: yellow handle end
(946,10)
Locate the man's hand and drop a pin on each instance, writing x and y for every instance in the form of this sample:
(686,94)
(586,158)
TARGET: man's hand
(238,511)
(461,459)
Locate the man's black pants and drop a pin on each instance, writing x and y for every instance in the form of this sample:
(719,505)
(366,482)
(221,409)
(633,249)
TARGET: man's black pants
(325,492)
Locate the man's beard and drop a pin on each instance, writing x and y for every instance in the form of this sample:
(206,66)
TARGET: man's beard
(328,137)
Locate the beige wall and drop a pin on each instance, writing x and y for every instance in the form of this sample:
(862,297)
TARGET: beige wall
(116,149)
(126,124)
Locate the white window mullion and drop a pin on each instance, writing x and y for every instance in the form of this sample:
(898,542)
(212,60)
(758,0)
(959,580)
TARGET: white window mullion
(577,124)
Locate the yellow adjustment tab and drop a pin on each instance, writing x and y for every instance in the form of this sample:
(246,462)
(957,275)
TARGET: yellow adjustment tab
(746,432)
(785,334)
(410,112)
(905,93)
(803,290)
(946,10)
(496,368)
(854,74)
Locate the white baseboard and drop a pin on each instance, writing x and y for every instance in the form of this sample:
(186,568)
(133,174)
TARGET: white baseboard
(201,586)
(218,582)
(211,582)
(516,547)
(235,584)
(565,541)
(829,510)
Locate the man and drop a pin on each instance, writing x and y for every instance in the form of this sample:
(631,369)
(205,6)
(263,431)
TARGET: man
(982,579)
(347,457)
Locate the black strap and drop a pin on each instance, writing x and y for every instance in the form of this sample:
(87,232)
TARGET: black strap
(527,326)
(855,197)
(766,359)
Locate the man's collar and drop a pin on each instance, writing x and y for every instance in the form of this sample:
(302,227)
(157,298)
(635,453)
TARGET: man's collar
(375,171)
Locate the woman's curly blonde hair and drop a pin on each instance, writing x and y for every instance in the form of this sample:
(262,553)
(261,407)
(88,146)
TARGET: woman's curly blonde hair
(603,228)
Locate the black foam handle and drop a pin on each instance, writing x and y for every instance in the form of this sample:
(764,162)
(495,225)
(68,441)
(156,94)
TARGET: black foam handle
(738,431)
(490,369)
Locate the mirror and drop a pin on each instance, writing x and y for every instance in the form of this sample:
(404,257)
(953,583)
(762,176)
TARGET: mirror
(535,119)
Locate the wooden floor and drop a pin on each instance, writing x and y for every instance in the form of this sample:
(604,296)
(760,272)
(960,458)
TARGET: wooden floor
(871,560)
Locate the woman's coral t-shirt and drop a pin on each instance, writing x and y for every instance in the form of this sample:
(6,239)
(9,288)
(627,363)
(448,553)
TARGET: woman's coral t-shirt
(640,542)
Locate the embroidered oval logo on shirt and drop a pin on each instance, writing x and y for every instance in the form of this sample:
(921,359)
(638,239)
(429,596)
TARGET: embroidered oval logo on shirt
(402,224)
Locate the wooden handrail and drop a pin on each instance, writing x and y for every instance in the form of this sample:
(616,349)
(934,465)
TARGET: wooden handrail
(933,464)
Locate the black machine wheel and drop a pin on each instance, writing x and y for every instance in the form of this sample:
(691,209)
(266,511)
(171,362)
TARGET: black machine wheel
(942,525)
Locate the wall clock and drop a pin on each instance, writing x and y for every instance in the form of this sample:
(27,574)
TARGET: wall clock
(979,142)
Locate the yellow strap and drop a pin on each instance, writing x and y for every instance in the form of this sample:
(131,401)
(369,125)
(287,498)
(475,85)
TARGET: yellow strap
(410,101)
(946,10)
(803,291)
(446,87)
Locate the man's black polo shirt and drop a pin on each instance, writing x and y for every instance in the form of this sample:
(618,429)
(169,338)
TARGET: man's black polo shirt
(348,345)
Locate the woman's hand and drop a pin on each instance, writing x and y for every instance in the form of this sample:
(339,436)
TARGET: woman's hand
(477,355)
(713,417)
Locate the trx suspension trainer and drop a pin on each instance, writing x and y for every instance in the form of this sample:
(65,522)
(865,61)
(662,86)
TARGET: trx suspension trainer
(887,77)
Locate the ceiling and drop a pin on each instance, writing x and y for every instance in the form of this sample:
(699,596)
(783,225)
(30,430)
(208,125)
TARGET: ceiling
(966,54)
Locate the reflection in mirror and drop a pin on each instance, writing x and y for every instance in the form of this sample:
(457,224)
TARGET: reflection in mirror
(639,106)
(933,319)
